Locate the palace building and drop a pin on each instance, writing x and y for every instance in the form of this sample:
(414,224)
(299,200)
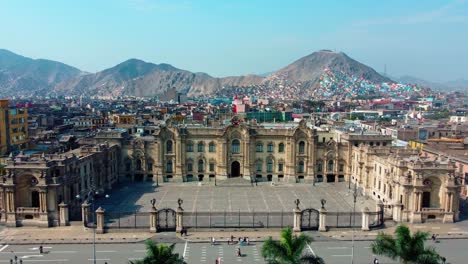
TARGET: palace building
(412,188)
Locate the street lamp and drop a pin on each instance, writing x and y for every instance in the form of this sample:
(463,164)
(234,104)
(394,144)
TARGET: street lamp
(92,199)
(354,221)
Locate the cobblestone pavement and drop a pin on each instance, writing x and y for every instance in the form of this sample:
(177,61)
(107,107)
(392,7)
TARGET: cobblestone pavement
(262,198)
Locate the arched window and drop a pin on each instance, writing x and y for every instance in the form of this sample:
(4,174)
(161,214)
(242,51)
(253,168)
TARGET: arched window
(300,167)
(301,147)
(201,147)
(212,147)
(270,166)
(319,167)
(190,146)
(259,147)
(169,146)
(258,166)
(235,146)
(189,166)
(270,147)
(330,165)
(281,148)
(201,166)
(169,166)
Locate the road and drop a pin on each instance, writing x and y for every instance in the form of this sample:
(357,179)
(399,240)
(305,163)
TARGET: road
(334,252)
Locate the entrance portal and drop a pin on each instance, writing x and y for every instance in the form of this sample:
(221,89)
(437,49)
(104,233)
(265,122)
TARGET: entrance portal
(426,199)
(235,169)
(35,199)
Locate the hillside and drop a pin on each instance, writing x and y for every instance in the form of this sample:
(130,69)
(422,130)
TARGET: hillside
(26,76)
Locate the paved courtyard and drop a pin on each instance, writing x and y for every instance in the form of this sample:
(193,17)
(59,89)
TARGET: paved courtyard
(133,197)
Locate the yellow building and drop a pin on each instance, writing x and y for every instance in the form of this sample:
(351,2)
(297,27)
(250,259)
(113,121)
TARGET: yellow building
(13,128)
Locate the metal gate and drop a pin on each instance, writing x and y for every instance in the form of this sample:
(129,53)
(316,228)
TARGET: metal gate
(166,220)
(309,219)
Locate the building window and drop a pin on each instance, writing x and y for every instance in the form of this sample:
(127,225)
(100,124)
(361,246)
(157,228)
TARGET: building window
(169,146)
(236,146)
(281,148)
(341,168)
(169,167)
(258,166)
(270,166)
(190,147)
(319,167)
(212,167)
(270,147)
(138,164)
(330,165)
(280,167)
(200,147)
(300,167)
(201,166)
(189,167)
(259,147)
(301,147)
(150,166)
(212,147)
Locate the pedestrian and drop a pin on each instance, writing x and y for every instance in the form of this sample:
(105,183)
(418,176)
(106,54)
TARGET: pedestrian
(185,231)
(444,260)
(433,237)
(213,241)
(376,261)
(239,254)
(41,250)
(182,232)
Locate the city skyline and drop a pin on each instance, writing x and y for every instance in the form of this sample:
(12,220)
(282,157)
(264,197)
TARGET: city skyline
(423,40)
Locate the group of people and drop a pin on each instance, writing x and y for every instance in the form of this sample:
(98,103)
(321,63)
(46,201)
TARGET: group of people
(242,241)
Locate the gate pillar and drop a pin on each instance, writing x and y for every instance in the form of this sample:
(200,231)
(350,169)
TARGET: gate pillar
(85,215)
(63,211)
(179,219)
(100,221)
(323,220)
(365,219)
(297,220)
(153,220)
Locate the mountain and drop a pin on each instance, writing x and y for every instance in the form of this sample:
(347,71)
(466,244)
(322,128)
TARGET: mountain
(139,78)
(28,76)
(460,84)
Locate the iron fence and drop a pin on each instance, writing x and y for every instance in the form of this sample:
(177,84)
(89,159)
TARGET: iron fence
(238,219)
(344,219)
(126,220)
(376,219)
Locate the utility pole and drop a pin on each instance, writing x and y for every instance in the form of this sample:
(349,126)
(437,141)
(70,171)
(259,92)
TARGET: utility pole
(354,221)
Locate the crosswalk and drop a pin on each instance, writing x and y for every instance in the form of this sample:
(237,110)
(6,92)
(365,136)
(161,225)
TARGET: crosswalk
(206,253)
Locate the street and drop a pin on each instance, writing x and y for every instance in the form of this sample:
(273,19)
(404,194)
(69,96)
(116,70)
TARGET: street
(333,252)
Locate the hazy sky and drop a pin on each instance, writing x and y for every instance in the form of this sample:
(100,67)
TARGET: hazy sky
(424,38)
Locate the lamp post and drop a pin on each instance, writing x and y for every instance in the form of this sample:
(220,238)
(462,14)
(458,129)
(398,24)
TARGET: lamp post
(354,221)
(92,199)
(157,179)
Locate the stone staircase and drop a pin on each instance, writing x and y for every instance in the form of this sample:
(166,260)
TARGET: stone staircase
(234,182)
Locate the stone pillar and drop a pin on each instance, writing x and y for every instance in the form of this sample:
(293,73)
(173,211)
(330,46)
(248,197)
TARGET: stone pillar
(365,219)
(398,212)
(85,214)
(323,220)
(179,219)
(43,214)
(10,208)
(100,221)
(419,201)
(297,220)
(451,202)
(153,220)
(63,213)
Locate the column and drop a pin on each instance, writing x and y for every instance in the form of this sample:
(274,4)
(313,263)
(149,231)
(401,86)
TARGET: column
(297,220)
(63,214)
(365,219)
(85,214)
(10,207)
(43,214)
(179,219)
(451,202)
(100,221)
(419,201)
(153,220)
(323,220)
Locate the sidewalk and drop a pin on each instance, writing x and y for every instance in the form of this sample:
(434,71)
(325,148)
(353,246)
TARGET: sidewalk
(78,235)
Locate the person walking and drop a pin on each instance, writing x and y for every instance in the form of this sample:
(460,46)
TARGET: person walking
(444,260)
(376,261)
(41,249)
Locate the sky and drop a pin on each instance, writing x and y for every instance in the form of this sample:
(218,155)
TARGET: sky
(422,38)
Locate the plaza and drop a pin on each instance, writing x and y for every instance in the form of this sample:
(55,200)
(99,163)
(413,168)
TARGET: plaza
(265,197)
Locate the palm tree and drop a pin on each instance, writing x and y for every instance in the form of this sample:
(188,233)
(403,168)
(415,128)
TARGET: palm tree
(160,254)
(408,249)
(288,250)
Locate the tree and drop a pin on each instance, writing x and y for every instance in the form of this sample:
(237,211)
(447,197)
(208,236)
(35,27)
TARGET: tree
(289,249)
(404,247)
(160,254)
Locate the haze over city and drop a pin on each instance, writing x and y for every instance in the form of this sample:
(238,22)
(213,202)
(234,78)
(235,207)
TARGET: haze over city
(425,39)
